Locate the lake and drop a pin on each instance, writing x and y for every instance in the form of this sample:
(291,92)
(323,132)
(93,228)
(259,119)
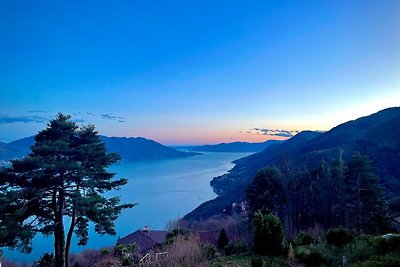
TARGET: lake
(164,190)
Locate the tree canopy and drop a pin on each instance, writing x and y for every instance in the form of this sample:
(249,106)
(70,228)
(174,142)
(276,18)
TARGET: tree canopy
(265,192)
(340,194)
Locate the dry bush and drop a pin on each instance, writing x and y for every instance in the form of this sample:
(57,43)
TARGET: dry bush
(172,224)
(96,258)
(183,252)
(10,263)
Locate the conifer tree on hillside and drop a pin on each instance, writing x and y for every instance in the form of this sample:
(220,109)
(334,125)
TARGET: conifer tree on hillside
(329,195)
(223,240)
(366,208)
(338,191)
(266,193)
(65,175)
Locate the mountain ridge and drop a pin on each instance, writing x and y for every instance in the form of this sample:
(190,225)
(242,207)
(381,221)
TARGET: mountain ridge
(129,148)
(376,135)
(235,146)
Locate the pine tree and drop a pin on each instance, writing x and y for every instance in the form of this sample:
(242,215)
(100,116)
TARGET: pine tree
(66,175)
(265,192)
(366,208)
(223,240)
(338,190)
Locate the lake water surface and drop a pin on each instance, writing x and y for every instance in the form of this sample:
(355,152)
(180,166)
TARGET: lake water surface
(164,190)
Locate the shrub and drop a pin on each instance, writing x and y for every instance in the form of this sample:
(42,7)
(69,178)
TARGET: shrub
(380,261)
(171,236)
(104,251)
(185,252)
(209,252)
(47,260)
(383,245)
(256,262)
(315,255)
(303,239)
(125,253)
(267,234)
(91,257)
(339,236)
(359,249)
(237,247)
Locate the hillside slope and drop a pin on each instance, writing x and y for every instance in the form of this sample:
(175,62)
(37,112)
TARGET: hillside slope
(377,136)
(129,148)
(236,147)
(139,148)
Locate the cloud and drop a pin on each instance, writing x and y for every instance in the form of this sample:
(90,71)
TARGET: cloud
(112,117)
(272,132)
(5,119)
(8,119)
(38,111)
(78,120)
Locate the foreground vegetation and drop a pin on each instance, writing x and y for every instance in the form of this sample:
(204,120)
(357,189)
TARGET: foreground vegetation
(337,247)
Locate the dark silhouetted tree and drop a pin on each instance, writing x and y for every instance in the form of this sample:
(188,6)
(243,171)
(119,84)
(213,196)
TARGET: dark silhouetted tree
(265,192)
(223,240)
(366,208)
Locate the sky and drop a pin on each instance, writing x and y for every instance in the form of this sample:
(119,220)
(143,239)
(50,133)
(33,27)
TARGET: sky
(197,72)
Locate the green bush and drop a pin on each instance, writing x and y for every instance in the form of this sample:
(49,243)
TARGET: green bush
(301,253)
(303,239)
(383,245)
(47,260)
(379,261)
(123,252)
(359,249)
(315,255)
(339,236)
(267,234)
(237,247)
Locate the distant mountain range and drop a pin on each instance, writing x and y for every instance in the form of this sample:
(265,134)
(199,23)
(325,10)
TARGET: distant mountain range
(129,148)
(377,136)
(235,147)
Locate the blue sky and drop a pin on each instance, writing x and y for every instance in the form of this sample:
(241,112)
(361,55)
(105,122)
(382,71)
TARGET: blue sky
(192,72)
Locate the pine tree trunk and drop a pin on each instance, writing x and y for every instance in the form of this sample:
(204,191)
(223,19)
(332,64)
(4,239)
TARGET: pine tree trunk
(70,232)
(69,238)
(56,247)
(56,231)
(60,228)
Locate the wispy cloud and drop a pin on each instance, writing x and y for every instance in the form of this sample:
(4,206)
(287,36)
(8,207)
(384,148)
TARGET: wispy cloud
(38,111)
(112,117)
(272,132)
(5,118)
(8,119)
